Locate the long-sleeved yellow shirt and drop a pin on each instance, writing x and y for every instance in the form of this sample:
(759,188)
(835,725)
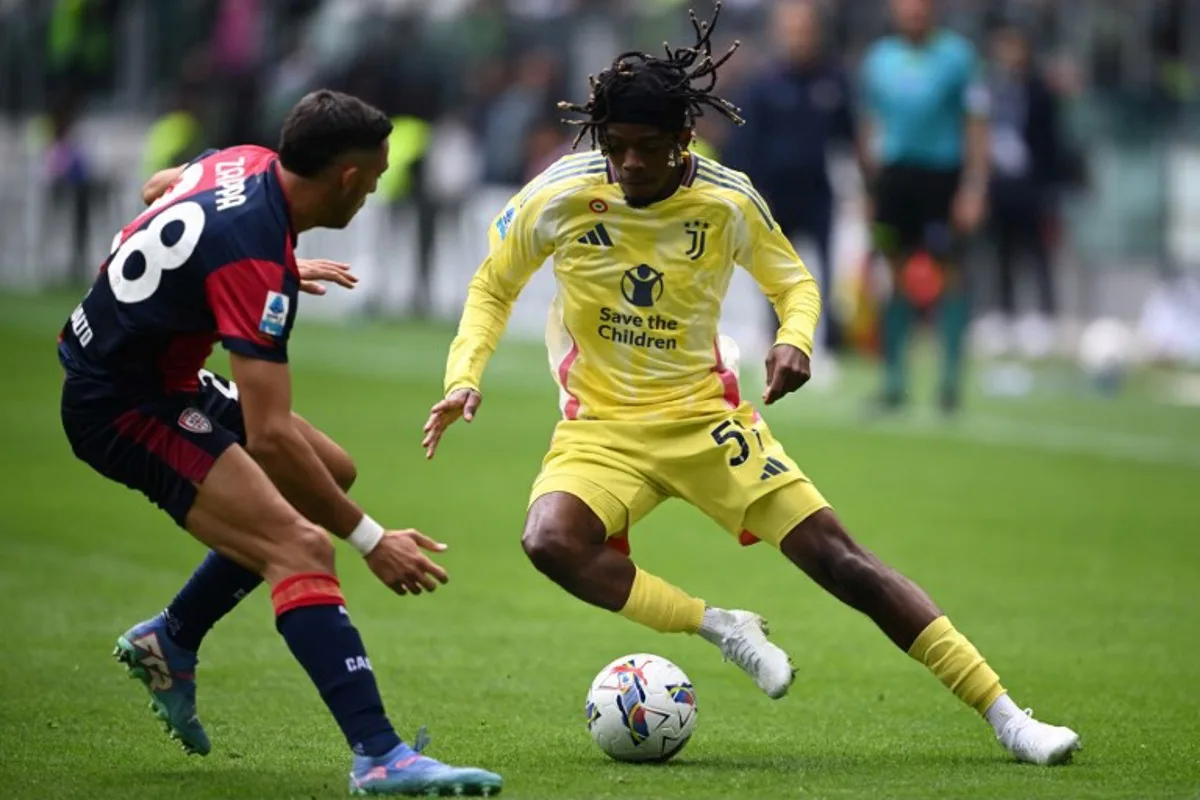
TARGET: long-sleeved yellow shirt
(632,332)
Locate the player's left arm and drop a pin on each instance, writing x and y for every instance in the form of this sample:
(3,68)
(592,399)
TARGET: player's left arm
(971,201)
(772,261)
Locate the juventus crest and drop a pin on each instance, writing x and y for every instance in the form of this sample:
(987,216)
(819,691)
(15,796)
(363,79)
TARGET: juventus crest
(697,232)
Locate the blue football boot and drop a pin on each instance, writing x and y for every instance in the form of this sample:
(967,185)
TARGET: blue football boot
(169,674)
(404,771)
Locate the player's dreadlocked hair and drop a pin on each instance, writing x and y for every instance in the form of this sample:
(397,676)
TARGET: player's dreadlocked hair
(666,92)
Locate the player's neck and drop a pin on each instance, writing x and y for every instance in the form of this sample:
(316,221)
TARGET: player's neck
(302,202)
(919,38)
(671,186)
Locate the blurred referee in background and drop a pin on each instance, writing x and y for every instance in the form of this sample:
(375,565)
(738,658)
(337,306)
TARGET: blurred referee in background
(926,107)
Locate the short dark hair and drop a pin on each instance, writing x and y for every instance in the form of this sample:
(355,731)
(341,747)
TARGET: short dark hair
(325,125)
(677,88)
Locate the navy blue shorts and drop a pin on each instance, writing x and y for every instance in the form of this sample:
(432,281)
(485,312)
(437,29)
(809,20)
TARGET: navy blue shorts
(162,446)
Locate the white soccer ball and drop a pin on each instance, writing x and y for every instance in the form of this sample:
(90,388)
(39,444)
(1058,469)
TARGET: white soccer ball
(641,707)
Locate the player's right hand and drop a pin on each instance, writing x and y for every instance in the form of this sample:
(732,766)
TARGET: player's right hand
(400,565)
(459,403)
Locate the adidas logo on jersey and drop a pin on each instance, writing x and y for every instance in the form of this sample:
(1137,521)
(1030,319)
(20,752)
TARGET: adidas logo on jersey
(774,467)
(597,236)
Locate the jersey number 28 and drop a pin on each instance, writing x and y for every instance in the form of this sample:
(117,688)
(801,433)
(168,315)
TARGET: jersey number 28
(182,223)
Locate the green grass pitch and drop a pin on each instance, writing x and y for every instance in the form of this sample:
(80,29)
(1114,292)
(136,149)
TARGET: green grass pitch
(1062,534)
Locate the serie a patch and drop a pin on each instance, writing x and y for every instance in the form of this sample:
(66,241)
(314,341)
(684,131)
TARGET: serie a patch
(275,314)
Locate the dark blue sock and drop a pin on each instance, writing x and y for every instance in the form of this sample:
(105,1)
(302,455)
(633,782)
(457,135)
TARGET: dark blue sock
(328,646)
(214,589)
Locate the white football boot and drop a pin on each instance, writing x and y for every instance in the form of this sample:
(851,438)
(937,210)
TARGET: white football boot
(1036,742)
(745,643)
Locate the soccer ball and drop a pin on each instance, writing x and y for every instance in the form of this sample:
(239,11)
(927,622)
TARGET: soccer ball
(641,707)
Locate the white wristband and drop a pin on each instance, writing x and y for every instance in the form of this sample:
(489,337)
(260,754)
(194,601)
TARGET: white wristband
(366,535)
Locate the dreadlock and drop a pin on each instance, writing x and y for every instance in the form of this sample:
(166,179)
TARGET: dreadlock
(673,90)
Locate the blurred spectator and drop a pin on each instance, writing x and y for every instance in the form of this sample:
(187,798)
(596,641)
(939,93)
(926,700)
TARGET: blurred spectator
(69,176)
(513,114)
(492,67)
(794,110)
(79,45)
(1026,152)
(287,81)
(1168,35)
(235,58)
(546,143)
(927,106)
(178,135)
(404,187)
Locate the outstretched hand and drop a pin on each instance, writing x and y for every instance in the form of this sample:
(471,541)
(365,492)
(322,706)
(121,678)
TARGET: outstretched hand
(788,368)
(459,403)
(316,271)
(399,563)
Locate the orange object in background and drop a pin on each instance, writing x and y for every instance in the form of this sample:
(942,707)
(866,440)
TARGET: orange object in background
(922,281)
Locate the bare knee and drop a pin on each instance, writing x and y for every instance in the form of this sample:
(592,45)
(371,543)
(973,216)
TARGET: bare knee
(563,536)
(549,545)
(304,547)
(315,546)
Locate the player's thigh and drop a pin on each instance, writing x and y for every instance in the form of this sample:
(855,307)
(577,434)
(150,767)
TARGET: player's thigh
(731,466)
(238,512)
(161,447)
(559,524)
(596,463)
(195,470)
(219,399)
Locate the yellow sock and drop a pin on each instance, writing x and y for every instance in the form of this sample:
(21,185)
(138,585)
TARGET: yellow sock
(657,604)
(957,664)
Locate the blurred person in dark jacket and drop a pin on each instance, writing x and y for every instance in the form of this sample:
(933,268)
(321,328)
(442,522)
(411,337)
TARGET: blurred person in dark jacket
(1026,156)
(794,109)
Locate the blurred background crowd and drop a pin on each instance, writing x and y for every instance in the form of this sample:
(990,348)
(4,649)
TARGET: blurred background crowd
(97,94)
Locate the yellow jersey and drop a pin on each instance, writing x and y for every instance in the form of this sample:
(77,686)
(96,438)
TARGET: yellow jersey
(632,332)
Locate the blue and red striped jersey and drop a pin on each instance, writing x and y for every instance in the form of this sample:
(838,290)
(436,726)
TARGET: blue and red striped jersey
(211,260)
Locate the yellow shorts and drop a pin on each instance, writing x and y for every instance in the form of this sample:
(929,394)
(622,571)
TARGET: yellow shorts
(721,464)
